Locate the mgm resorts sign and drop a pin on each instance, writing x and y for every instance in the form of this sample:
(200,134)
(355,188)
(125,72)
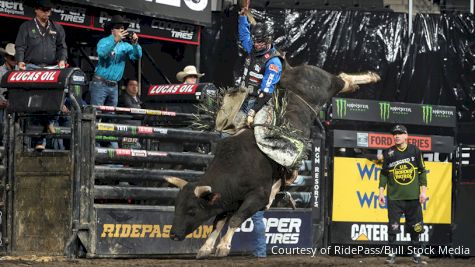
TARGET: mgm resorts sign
(393,112)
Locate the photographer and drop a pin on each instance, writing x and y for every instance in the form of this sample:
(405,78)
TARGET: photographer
(112,52)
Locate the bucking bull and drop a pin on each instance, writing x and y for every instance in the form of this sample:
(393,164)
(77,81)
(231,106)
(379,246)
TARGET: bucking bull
(241,179)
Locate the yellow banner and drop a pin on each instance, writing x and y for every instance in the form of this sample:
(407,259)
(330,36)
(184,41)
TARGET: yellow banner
(105,127)
(355,192)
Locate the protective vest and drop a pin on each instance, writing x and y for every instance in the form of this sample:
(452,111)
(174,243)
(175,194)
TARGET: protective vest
(254,69)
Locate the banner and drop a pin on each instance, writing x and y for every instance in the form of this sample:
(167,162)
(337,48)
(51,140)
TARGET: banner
(355,192)
(180,92)
(377,140)
(146,230)
(154,28)
(143,231)
(371,233)
(191,11)
(283,229)
(317,178)
(69,14)
(62,13)
(393,112)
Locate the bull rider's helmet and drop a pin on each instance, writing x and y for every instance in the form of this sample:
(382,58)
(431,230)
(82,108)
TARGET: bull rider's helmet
(261,33)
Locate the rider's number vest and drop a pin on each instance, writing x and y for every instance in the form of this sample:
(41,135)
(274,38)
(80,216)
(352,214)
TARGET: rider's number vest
(254,69)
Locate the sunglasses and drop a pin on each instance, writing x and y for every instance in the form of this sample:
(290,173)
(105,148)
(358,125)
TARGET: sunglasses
(10,57)
(119,27)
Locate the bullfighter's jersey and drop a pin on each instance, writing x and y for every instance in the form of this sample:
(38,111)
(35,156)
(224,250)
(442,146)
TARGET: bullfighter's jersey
(261,72)
(403,172)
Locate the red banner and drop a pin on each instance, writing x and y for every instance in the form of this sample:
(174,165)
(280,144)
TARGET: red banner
(43,76)
(123,152)
(145,130)
(386,140)
(172,89)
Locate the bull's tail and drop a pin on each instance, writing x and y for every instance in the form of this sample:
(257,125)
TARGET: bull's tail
(352,81)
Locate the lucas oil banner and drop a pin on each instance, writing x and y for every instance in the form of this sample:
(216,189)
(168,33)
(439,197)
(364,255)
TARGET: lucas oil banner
(356,213)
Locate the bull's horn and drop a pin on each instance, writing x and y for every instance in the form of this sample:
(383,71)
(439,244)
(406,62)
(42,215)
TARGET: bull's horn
(202,189)
(178,182)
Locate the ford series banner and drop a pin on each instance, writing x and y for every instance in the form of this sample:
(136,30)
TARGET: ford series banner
(378,140)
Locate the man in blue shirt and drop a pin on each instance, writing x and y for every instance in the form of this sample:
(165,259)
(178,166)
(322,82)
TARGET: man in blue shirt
(113,53)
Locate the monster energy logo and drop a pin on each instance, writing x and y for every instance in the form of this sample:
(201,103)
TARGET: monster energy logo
(427,114)
(341,107)
(384,108)
(106,138)
(111,153)
(77,90)
(133,129)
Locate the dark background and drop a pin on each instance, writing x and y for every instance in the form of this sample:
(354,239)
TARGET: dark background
(435,66)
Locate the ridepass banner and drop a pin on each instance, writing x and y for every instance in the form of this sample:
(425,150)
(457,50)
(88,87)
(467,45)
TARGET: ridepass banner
(357,216)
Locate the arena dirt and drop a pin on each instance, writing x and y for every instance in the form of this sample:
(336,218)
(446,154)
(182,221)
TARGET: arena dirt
(280,261)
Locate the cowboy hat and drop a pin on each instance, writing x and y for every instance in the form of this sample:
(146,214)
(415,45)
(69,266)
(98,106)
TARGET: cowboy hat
(8,50)
(115,20)
(187,71)
(43,4)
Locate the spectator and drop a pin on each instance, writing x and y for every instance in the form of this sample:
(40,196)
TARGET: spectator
(8,54)
(41,42)
(112,51)
(189,75)
(130,99)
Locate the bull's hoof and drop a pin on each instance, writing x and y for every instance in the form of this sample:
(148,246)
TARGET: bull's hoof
(222,251)
(204,253)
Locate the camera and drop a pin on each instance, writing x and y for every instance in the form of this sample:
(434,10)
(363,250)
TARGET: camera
(130,35)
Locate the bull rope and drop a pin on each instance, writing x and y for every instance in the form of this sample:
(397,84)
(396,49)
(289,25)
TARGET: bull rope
(306,103)
(301,99)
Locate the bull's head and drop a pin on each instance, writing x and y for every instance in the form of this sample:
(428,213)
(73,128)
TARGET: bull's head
(193,206)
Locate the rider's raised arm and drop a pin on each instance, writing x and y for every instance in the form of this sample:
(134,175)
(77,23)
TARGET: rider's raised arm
(244,29)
